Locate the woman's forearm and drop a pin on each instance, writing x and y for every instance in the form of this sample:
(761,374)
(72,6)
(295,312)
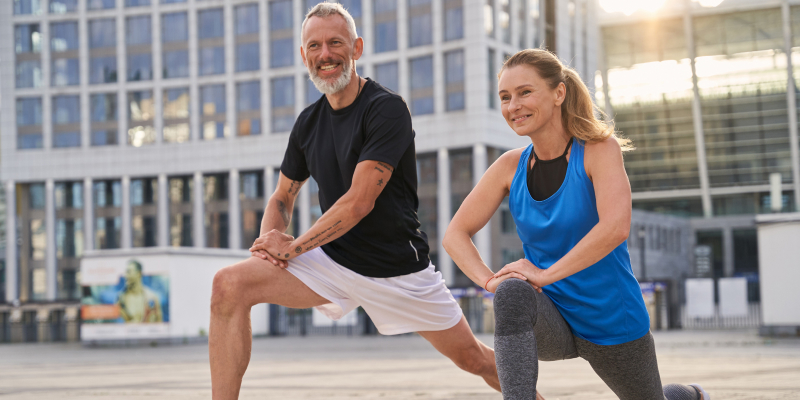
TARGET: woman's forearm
(462,250)
(598,243)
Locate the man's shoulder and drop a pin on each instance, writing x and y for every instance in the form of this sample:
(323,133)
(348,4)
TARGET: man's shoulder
(386,102)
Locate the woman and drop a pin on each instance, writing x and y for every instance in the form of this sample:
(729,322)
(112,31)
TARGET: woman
(574,294)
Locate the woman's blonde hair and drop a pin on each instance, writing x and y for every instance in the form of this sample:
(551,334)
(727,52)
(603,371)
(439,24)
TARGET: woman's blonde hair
(578,111)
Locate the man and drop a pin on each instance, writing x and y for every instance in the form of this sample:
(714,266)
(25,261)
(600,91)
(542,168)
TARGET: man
(138,303)
(366,249)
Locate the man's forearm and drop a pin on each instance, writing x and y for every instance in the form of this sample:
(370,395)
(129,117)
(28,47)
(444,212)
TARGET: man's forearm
(339,219)
(277,214)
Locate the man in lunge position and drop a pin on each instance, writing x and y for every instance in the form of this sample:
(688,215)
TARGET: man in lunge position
(366,250)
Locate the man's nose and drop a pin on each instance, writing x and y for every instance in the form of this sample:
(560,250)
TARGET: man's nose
(325,53)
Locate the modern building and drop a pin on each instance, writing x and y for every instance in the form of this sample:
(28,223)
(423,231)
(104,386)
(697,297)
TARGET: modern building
(139,123)
(708,96)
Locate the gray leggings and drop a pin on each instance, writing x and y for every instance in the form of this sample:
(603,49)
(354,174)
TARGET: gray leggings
(530,328)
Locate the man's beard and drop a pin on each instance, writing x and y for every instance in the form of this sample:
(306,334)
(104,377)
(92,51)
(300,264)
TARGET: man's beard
(333,87)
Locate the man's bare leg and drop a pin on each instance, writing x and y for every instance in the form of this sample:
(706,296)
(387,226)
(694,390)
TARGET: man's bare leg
(466,351)
(235,290)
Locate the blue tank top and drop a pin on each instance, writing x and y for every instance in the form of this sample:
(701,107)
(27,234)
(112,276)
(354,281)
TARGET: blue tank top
(603,303)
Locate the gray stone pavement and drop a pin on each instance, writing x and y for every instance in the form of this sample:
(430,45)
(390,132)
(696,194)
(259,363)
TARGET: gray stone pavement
(730,365)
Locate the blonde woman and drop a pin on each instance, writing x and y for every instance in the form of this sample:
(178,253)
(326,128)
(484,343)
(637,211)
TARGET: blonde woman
(574,294)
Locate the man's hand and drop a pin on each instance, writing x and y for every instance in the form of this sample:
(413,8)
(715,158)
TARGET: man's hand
(533,274)
(273,246)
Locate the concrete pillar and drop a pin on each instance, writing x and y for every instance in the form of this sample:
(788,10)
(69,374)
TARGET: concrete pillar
(162,215)
(50,266)
(126,235)
(12,268)
(234,211)
(198,226)
(443,212)
(88,214)
(727,252)
(483,238)
(791,101)
(697,116)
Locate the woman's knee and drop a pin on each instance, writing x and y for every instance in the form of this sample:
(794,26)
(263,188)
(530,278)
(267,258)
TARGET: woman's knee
(511,294)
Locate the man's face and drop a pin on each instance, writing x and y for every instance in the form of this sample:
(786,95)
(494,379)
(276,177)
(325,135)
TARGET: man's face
(329,53)
(132,275)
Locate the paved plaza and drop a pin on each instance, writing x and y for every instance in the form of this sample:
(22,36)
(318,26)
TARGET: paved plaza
(731,365)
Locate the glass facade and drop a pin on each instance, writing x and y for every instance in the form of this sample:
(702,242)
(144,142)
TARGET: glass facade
(281,34)
(107,210)
(66,121)
(175,45)
(215,205)
(102,51)
(27,49)
(251,195)
(248,108)
(454,80)
(29,123)
(247,46)
(103,119)
(453,19)
(420,23)
(421,78)
(387,75)
(69,236)
(741,79)
(180,211)
(282,104)
(64,54)
(139,52)
(141,112)
(176,115)
(213,108)
(385,22)
(144,199)
(211,42)
(63,6)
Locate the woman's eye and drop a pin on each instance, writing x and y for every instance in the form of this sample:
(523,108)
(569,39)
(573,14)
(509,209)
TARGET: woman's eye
(524,92)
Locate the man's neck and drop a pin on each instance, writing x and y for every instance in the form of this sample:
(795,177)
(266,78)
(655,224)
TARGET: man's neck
(346,96)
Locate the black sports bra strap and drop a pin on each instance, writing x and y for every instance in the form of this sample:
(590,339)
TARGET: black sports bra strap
(569,144)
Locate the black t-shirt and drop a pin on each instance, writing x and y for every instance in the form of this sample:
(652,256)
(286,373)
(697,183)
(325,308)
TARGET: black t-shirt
(328,144)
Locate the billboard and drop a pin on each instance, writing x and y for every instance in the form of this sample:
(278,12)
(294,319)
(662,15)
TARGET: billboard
(125,298)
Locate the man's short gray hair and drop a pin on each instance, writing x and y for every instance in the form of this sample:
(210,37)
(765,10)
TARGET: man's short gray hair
(325,9)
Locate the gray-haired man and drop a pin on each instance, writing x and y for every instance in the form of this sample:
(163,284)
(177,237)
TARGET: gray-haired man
(366,250)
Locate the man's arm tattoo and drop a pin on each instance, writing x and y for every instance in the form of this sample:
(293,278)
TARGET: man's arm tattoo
(294,188)
(380,182)
(323,236)
(284,213)
(384,165)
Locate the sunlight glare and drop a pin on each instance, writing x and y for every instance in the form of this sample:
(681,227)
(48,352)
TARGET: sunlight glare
(629,7)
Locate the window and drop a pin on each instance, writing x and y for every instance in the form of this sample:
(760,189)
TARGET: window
(64,36)
(248,108)
(138,39)
(180,210)
(504,20)
(107,196)
(354,8)
(64,54)
(282,104)
(281,35)
(312,94)
(66,121)
(144,196)
(175,36)
(215,199)
(488,18)
(421,85)
(27,46)
(140,118)
(387,75)
(453,19)
(420,23)
(492,79)
(454,79)
(69,195)
(100,4)
(69,238)
(29,123)
(27,7)
(104,119)
(102,44)
(63,6)
(385,20)
(210,31)
(137,3)
(212,105)
(251,193)
(176,115)
(246,25)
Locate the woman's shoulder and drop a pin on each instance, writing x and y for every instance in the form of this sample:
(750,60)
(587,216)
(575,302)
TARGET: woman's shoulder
(510,159)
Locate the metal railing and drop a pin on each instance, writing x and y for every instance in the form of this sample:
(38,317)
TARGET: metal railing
(751,320)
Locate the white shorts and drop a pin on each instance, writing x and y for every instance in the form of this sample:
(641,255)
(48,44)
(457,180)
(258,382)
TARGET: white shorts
(408,303)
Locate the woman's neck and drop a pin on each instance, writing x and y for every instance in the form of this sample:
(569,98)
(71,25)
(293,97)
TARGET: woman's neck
(550,141)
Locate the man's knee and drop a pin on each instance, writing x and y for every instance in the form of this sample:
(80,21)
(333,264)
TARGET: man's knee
(224,290)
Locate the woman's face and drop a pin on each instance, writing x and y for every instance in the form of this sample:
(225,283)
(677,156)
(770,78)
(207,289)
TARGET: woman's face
(527,102)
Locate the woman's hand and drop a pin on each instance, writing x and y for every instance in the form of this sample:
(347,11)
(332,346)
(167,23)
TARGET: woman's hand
(536,276)
(496,280)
